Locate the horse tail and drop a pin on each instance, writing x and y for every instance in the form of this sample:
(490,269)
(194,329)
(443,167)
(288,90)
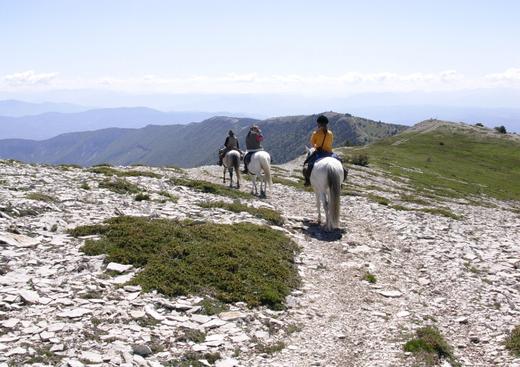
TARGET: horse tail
(334,184)
(266,166)
(235,162)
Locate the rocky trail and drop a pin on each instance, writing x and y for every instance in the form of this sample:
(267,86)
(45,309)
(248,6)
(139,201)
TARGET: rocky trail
(59,307)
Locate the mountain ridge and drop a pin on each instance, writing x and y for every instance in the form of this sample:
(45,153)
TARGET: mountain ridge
(193,144)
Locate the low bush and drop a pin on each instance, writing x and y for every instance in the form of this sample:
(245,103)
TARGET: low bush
(359,160)
(119,186)
(430,347)
(513,341)
(239,262)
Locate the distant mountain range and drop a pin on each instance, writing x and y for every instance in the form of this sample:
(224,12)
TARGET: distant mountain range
(192,144)
(15,108)
(50,124)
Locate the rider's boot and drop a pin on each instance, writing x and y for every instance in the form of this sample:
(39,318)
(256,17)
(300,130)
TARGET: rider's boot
(245,171)
(345,174)
(306,176)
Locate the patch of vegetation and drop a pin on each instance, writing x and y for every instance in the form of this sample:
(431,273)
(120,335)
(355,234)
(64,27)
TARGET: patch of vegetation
(212,306)
(147,321)
(298,185)
(239,262)
(193,335)
(413,199)
(119,186)
(270,215)
(440,211)
(192,359)
(168,196)
(41,197)
(109,171)
(142,196)
(369,277)
(43,355)
(469,163)
(91,294)
(209,187)
(379,199)
(84,186)
(430,347)
(471,268)
(293,328)
(501,129)
(513,341)
(270,348)
(93,229)
(359,160)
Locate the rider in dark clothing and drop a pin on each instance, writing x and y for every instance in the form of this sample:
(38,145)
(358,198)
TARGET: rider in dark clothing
(231,143)
(253,144)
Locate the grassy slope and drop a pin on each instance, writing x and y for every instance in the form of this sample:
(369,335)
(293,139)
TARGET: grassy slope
(451,160)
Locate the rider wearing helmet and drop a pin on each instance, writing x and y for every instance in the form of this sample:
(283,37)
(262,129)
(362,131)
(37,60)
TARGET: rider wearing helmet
(321,141)
(231,143)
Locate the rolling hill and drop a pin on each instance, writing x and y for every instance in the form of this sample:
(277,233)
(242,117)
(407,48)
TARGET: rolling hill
(446,159)
(190,145)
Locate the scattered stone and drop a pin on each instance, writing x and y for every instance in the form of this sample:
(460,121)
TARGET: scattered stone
(390,294)
(141,349)
(120,268)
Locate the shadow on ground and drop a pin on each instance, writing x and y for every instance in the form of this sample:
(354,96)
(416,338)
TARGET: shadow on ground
(315,230)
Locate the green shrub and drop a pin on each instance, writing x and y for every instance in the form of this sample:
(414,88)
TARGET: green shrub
(119,186)
(269,215)
(239,262)
(168,196)
(378,199)
(359,160)
(142,196)
(430,347)
(513,341)
(501,129)
(369,277)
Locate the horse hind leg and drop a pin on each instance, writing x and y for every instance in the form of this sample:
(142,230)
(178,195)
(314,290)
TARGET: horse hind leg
(230,178)
(318,206)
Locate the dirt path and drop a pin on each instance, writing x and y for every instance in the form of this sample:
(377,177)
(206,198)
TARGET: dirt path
(458,275)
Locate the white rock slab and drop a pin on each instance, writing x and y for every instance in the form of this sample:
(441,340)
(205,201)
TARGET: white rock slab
(10,323)
(74,313)
(231,315)
(29,296)
(92,357)
(120,268)
(150,311)
(390,294)
(18,240)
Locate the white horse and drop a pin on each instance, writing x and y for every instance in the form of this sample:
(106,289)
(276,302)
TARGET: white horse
(260,168)
(232,161)
(326,178)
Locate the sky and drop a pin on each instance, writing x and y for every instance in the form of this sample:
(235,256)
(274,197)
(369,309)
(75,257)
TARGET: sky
(314,48)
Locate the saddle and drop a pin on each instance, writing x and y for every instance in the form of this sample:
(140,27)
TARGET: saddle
(248,156)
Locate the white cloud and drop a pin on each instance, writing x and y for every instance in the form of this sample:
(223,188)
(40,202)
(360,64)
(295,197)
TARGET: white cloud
(312,84)
(29,78)
(511,74)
